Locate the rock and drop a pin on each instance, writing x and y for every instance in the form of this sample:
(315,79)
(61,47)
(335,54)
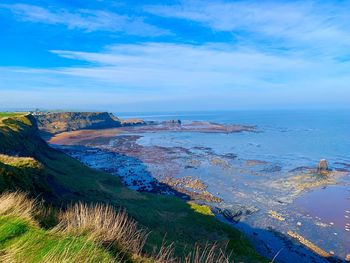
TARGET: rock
(132,122)
(322,166)
(301,169)
(272,169)
(235,214)
(232,215)
(56,122)
(276,215)
(172,122)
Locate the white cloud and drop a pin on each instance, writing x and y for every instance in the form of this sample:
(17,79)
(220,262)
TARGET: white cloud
(320,27)
(196,67)
(87,20)
(212,75)
(286,53)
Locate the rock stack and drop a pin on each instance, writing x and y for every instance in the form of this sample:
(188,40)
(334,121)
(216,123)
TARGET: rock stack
(323,166)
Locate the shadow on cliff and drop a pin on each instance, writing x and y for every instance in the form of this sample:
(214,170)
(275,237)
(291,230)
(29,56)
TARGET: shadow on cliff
(132,171)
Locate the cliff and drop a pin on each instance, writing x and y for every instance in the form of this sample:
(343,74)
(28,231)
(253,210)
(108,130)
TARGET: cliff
(29,165)
(57,122)
(20,149)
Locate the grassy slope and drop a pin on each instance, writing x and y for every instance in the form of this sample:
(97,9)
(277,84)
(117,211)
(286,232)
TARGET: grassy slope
(64,180)
(24,242)
(8,114)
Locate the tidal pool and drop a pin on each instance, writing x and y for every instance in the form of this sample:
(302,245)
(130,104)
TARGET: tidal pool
(330,203)
(330,207)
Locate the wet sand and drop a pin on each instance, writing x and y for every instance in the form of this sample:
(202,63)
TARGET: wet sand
(75,137)
(78,137)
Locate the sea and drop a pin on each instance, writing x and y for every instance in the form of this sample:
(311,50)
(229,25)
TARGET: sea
(293,138)
(288,139)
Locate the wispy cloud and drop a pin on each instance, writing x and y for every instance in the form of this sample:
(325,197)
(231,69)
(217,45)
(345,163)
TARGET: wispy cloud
(85,19)
(266,53)
(184,66)
(318,26)
(200,73)
(199,66)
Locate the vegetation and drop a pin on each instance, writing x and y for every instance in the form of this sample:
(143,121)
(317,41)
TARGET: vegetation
(22,240)
(8,114)
(83,234)
(173,227)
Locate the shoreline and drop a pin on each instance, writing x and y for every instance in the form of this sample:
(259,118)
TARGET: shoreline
(128,146)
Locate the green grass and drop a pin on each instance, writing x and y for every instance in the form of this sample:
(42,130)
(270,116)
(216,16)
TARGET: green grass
(22,173)
(11,228)
(201,209)
(22,242)
(10,114)
(61,179)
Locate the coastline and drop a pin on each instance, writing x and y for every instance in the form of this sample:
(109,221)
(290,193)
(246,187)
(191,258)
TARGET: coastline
(104,142)
(61,181)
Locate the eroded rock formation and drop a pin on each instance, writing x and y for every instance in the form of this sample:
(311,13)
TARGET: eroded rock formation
(323,166)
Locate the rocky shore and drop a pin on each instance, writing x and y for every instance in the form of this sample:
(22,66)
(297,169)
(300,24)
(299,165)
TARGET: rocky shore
(254,193)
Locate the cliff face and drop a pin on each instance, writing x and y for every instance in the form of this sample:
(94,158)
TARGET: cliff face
(71,121)
(19,136)
(20,150)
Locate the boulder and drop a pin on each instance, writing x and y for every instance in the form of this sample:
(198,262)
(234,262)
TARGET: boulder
(322,166)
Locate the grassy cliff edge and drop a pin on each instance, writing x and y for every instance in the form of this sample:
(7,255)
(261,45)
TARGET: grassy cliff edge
(28,164)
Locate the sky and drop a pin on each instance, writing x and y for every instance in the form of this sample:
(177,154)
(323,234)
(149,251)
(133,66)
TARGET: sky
(137,55)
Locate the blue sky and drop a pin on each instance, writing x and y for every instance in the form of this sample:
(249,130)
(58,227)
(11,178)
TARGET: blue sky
(174,55)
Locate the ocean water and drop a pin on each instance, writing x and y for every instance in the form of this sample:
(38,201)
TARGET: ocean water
(292,138)
(286,140)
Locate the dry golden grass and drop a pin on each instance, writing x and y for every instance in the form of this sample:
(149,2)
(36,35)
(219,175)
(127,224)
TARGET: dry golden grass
(20,161)
(85,233)
(208,254)
(165,254)
(18,204)
(34,244)
(103,224)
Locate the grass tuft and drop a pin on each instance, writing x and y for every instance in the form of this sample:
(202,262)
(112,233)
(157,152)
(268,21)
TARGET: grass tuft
(22,240)
(103,224)
(208,254)
(18,205)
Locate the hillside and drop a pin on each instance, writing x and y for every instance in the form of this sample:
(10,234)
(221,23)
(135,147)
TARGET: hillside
(29,164)
(56,122)
(23,240)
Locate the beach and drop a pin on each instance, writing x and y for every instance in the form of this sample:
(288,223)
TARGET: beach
(257,196)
